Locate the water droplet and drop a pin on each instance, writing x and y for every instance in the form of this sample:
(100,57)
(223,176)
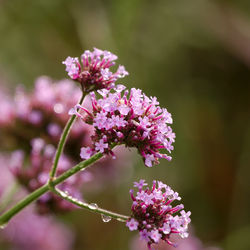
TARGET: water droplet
(63,194)
(3,226)
(121,220)
(106,218)
(93,206)
(81,203)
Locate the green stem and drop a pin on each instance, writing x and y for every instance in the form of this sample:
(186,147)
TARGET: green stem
(91,207)
(62,142)
(5,217)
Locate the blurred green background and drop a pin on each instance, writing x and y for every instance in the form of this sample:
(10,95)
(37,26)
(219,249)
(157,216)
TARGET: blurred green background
(195,57)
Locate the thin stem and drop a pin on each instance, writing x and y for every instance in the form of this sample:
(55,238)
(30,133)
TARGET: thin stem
(5,217)
(91,207)
(62,142)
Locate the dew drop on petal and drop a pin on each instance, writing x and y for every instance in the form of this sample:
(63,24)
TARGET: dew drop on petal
(93,206)
(106,218)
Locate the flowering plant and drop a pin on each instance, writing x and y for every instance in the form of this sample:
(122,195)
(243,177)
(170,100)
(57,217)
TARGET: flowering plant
(114,116)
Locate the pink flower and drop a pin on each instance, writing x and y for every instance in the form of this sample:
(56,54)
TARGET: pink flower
(86,152)
(155,235)
(72,67)
(121,72)
(149,160)
(140,184)
(144,235)
(132,224)
(100,146)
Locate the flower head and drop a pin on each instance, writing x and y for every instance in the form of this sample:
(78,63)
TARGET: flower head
(131,119)
(154,216)
(93,72)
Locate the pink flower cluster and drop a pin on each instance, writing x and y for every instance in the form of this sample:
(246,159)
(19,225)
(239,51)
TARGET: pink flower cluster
(43,112)
(94,71)
(133,119)
(41,159)
(153,214)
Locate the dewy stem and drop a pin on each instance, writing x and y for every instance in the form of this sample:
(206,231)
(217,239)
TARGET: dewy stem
(5,217)
(91,207)
(62,142)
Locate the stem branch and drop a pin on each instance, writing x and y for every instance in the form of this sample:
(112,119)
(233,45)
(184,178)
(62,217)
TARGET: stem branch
(5,217)
(62,142)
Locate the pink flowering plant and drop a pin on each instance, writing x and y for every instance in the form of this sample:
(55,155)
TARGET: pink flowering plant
(114,116)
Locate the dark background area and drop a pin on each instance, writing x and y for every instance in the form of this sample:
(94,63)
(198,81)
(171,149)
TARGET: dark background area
(195,57)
